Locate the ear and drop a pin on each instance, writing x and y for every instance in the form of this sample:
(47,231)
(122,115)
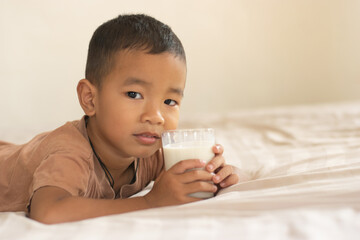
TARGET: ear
(86,93)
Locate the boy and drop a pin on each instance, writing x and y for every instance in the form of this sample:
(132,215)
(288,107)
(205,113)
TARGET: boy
(135,78)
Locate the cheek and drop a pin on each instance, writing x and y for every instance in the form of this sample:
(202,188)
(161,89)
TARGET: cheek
(171,121)
(114,107)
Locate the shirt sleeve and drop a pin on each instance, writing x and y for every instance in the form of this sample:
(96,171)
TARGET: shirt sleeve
(66,170)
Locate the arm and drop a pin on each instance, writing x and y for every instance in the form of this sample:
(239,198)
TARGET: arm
(55,205)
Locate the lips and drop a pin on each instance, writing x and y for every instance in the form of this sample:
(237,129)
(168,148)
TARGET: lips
(147,138)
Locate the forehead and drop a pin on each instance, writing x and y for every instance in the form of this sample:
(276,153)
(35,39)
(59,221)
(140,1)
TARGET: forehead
(148,67)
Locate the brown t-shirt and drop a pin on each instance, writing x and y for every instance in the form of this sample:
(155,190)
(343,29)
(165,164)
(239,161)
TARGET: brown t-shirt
(62,158)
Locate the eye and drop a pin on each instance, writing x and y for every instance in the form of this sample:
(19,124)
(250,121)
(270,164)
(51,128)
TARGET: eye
(170,102)
(134,95)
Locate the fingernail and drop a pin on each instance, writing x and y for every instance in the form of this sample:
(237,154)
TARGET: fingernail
(210,167)
(222,184)
(216,178)
(215,188)
(202,162)
(217,149)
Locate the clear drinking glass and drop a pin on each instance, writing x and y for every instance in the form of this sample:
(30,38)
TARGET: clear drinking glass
(186,144)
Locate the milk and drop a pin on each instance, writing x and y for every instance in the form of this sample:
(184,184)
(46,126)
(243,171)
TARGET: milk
(176,152)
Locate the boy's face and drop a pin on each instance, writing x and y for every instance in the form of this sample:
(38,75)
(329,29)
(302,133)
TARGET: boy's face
(138,100)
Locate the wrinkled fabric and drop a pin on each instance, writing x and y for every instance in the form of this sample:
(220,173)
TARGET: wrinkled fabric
(304,164)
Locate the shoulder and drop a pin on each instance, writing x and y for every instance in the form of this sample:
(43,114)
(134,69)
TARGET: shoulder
(71,135)
(69,140)
(67,159)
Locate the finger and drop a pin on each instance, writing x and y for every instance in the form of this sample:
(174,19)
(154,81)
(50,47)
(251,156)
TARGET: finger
(222,174)
(195,175)
(230,180)
(201,186)
(215,163)
(218,149)
(185,165)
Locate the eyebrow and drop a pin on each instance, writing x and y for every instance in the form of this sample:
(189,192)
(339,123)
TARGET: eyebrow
(177,91)
(137,81)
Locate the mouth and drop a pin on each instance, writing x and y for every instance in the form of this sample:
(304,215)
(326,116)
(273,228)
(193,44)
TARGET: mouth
(147,138)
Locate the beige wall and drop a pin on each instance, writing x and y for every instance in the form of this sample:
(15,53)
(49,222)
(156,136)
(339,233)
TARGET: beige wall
(241,53)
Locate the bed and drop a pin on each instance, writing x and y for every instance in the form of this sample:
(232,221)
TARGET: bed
(304,163)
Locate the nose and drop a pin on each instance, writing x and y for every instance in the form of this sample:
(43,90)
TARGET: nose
(153,115)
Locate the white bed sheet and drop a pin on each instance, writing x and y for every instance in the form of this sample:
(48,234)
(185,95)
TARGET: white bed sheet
(304,163)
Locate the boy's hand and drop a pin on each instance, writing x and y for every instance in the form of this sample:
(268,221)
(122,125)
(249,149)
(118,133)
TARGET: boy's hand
(225,175)
(172,187)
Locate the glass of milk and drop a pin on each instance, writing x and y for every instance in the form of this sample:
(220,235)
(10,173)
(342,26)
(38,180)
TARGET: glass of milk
(186,144)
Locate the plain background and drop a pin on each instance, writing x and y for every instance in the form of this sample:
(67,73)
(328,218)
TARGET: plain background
(241,54)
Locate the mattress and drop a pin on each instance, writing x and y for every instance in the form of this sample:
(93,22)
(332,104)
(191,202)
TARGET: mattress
(304,167)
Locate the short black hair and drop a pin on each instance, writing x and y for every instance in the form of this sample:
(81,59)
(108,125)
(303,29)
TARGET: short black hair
(131,32)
